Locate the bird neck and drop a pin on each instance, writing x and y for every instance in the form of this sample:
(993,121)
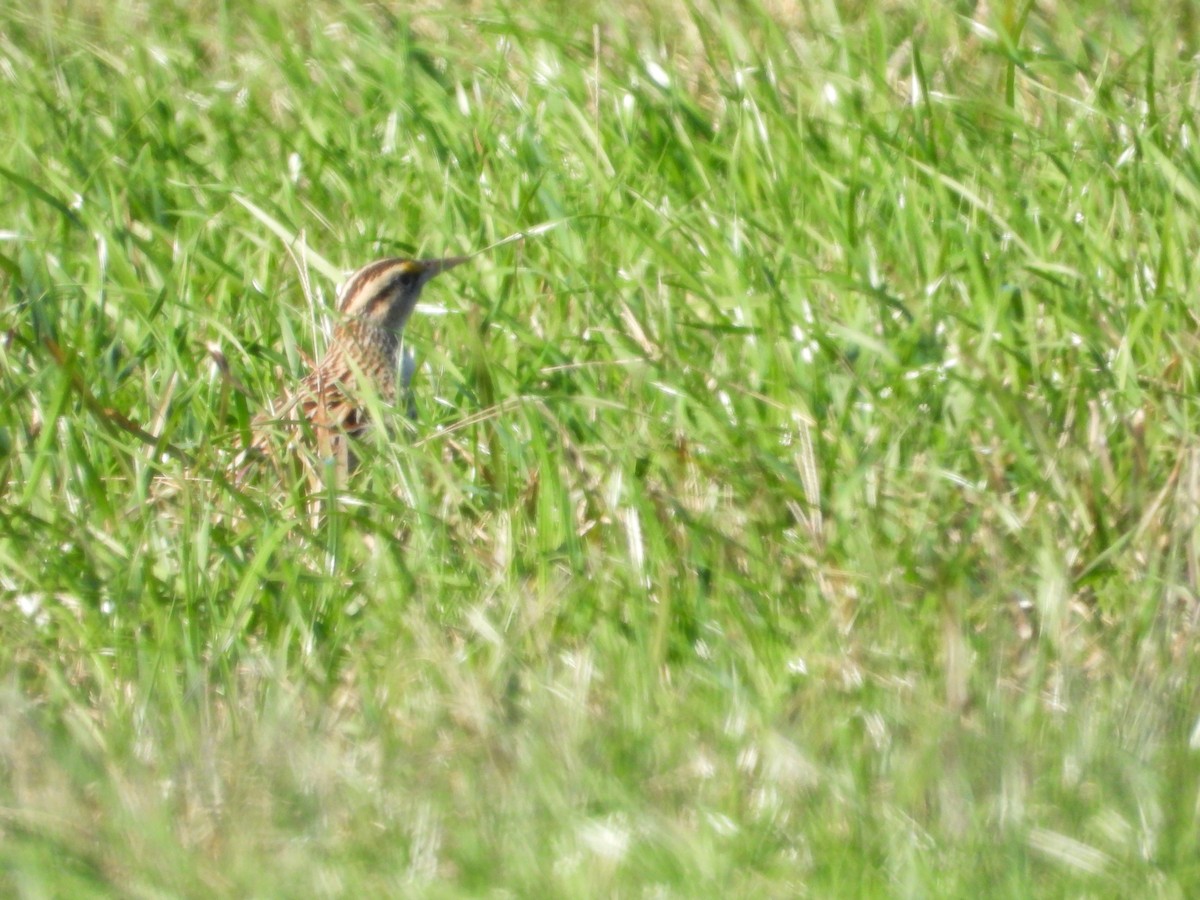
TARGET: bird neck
(369,336)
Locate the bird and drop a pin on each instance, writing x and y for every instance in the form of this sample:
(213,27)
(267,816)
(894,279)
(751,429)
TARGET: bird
(358,372)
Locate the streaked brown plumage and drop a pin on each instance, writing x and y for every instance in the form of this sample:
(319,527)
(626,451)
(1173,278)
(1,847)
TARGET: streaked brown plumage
(332,402)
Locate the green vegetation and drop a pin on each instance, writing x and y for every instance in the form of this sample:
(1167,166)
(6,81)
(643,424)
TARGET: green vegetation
(810,512)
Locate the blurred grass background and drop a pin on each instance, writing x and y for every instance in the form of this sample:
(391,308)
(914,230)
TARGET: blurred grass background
(812,512)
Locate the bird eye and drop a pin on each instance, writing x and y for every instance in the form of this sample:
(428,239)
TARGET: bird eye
(408,277)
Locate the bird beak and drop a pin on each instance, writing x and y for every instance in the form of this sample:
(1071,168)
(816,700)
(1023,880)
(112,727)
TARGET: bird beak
(437,266)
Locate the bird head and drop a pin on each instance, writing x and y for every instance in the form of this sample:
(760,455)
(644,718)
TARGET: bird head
(386,291)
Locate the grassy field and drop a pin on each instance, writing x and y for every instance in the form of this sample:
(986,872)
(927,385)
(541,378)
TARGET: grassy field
(807,506)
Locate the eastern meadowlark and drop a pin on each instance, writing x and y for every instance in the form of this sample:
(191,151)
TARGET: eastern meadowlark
(332,403)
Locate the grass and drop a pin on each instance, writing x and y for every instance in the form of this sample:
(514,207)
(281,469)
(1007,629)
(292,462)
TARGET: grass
(810,511)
